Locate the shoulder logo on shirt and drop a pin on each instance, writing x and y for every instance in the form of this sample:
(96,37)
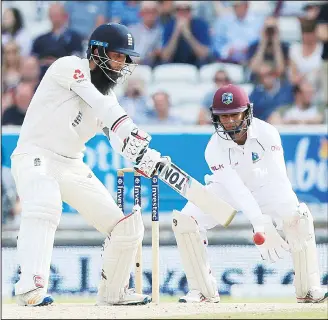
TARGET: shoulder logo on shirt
(275,148)
(227,98)
(255,157)
(216,168)
(130,39)
(78,74)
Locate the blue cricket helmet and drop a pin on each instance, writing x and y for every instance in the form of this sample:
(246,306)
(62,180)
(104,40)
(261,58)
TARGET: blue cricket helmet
(113,37)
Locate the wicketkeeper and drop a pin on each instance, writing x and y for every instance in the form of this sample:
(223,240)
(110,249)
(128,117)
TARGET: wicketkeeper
(246,159)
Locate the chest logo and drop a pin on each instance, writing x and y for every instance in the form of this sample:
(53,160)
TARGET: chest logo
(255,157)
(37,162)
(216,168)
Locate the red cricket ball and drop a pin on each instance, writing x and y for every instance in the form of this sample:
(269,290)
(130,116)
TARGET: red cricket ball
(259,238)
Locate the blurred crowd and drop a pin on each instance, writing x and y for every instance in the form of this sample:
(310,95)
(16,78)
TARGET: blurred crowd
(285,75)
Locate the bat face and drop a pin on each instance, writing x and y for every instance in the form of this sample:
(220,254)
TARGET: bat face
(175,178)
(196,193)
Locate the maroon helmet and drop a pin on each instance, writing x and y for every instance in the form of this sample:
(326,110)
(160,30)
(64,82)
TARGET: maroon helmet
(231,99)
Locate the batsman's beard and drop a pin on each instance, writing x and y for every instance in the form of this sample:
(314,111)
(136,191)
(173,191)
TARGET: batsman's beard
(101,81)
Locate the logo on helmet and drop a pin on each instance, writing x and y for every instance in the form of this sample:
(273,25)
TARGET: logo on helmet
(227,98)
(130,41)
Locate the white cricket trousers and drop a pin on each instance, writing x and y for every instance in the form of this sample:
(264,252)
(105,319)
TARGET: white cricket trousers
(43,181)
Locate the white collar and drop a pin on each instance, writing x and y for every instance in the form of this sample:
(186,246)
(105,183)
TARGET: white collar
(252,134)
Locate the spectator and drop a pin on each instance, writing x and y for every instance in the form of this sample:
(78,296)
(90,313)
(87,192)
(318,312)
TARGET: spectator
(268,49)
(186,39)
(13,29)
(148,34)
(311,10)
(166,11)
(125,12)
(211,10)
(221,78)
(305,57)
(160,115)
(9,196)
(134,100)
(304,111)
(15,114)
(322,35)
(291,8)
(7,99)
(59,42)
(270,94)
(85,16)
(30,71)
(233,34)
(11,65)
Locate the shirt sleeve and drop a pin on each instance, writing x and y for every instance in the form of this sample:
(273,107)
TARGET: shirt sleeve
(276,150)
(158,43)
(202,33)
(251,50)
(234,190)
(70,73)
(287,95)
(35,47)
(285,50)
(167,32)
(69,70)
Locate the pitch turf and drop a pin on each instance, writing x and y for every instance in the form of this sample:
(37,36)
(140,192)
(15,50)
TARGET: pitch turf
(84,308)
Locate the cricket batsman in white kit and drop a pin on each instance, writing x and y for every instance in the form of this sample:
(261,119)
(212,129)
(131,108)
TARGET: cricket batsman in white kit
(245,156)
(72,103)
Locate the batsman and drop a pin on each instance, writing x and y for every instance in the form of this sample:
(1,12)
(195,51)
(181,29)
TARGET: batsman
(73,102)
(246,159)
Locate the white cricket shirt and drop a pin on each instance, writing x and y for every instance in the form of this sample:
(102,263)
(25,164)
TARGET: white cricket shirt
(254,175)
(58,119)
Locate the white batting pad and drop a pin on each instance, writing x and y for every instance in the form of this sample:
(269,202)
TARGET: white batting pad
(41,209)
(120,249)
(35,245)
(299,231)
(193,254)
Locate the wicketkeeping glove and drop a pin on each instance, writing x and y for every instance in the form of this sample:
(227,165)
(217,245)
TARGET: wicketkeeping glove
(274,247)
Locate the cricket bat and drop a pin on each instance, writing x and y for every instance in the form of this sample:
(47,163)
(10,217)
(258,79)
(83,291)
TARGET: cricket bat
(196,193)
